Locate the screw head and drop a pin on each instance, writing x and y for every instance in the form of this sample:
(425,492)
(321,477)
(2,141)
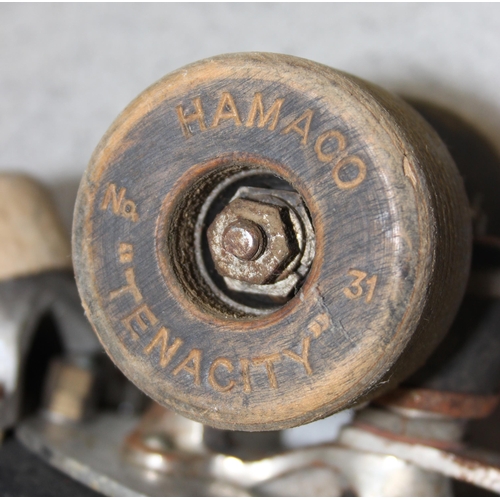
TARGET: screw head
(244,239)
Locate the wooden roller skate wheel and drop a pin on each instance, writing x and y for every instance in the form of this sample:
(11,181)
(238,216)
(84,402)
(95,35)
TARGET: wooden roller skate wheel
(391,228)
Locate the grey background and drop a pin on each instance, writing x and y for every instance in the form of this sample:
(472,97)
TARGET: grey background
(67,70)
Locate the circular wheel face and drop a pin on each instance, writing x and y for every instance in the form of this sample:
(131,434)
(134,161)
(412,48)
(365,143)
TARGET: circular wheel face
(175,283)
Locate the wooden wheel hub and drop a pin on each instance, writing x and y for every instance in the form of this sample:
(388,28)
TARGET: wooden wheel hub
(389,243)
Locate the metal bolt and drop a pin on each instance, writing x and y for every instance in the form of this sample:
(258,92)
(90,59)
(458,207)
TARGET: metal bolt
(244,239)
(252,241)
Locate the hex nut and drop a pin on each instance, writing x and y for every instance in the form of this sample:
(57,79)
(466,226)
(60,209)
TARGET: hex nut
(281,245)
(304,234)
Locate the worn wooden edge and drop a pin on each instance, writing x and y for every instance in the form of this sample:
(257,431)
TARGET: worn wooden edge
(451,228)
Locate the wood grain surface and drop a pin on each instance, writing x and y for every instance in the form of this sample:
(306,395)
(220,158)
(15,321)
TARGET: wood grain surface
(389,212)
